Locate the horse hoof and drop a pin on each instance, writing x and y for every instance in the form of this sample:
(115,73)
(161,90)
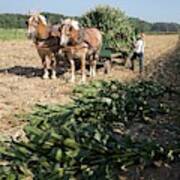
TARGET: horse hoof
(45,77)
(82,82)
(53,77)
(72,81)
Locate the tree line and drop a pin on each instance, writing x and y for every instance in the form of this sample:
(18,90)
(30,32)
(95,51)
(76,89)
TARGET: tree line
(144,26)
(8,20)
(19,20)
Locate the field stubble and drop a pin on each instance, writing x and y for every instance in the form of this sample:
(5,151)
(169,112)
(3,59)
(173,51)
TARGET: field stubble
(21,87)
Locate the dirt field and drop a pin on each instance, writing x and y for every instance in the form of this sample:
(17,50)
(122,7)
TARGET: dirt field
(21,86)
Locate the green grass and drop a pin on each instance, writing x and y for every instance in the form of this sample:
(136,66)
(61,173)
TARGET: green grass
(12,34)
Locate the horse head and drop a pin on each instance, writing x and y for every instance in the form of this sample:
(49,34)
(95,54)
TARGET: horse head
(69,31)
(37,26)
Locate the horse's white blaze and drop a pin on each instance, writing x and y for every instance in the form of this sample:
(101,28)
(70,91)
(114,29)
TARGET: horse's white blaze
(64,40)
(67,23)
(31,30)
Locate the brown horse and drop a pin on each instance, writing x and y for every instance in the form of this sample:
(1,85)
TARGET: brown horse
(46,40)
(82,43)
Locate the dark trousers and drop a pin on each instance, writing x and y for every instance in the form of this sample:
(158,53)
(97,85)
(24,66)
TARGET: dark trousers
(140,57)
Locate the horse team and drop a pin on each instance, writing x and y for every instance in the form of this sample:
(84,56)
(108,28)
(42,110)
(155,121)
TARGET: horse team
(67,39)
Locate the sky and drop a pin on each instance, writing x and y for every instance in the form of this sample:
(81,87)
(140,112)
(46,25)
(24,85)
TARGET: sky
(149,10)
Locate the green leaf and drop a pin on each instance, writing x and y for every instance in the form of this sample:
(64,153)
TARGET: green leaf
(59,155)
(11,177)
(71,143)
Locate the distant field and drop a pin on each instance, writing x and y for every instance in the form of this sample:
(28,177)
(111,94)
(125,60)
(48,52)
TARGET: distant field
(12,34)
(20,34)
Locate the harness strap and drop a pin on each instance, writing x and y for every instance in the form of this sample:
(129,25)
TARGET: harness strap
(80,36)
(82,39)
(48,43)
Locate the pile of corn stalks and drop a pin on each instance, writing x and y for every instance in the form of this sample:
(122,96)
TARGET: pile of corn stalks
(88,139)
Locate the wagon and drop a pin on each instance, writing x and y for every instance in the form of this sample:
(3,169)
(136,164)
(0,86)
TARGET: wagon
(109,55)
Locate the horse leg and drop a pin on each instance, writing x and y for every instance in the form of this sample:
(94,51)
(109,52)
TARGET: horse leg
(91,66)
(94,63)
(53,68)
(72,70)
(94,68)
(83,68)
(45,68)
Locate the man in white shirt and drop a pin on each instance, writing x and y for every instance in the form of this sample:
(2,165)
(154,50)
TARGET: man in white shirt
(138,53)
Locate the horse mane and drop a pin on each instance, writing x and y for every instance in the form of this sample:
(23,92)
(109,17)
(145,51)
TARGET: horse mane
(72,22)
(40,17)
(43,19)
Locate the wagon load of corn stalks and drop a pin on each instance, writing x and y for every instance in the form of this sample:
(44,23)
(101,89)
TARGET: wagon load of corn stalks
(118,33)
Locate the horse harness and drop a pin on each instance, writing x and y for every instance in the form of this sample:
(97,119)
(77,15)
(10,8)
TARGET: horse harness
(47,43)
(50,42)
(81,40)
